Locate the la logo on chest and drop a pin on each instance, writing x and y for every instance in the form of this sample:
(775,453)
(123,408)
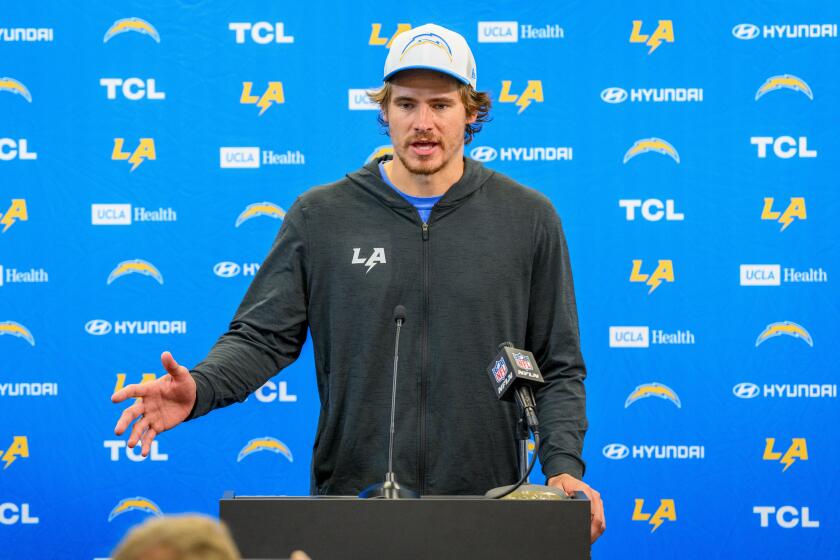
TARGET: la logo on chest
(377,257)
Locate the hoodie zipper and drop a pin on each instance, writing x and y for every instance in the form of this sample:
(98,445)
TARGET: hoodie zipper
(424,363)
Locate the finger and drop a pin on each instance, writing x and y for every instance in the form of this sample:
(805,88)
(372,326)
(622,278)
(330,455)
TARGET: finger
(170,365)
(148,438)
(129,392)
(599,523)
(128,416)
(139,427)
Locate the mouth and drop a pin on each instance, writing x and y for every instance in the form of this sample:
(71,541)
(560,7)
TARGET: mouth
(424,147)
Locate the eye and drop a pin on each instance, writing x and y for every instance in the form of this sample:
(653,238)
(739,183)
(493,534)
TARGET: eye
(405,105)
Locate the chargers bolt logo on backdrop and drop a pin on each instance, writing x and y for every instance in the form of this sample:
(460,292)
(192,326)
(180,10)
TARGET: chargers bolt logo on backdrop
(18,449)
(533,93)
(664,273)
(134,24)
(653,390)
(798,450)
(260,209)
(135,266)
(786,81)
(265,444)
(13,86)
(18,330)
(138,503)
(664,32)
(272,94)
(667,510)
(381,151)
(377,40)
(656,145)
(145,150)
(786,328)
(796,209)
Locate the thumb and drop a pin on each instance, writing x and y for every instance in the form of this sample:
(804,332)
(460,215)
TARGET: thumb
(170,365)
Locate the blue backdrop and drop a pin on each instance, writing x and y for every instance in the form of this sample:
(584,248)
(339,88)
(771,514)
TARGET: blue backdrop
(690,150)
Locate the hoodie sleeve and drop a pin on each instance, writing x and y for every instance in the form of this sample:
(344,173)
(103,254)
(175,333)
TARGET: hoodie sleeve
(554,338)
(269,328)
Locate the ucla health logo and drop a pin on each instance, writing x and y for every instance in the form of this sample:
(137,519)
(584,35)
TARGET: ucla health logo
(615,95)
(133,89)
(145,150)
(17,330)
(273,93)
(784,81)
(258,209)
(359,100)
(774,275)
(261,32)
(14,87)
(15,276)
(657,390)
(19,448)
(644,337)
(132,24)
(749,31)
(249,157)
(664,33)
(138,503)
(512,32)
(135,266)
(784,328)
(532,93)
(654,145)
(121,215)
(265,444)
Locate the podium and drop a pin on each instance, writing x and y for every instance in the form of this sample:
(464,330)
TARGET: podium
(429,528)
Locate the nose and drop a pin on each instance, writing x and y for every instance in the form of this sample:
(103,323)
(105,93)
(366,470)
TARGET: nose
(423,120)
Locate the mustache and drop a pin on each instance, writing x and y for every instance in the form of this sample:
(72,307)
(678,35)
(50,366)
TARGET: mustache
(422,138)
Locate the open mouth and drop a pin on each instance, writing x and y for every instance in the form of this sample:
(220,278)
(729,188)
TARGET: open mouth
(424,148)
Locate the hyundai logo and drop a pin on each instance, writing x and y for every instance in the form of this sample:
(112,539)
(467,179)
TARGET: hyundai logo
(745,31)
(614,95)
(616,451)
(226,269)
(483,153)
(98,327)
(745,390)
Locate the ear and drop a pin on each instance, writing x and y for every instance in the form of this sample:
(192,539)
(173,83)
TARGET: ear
(471,118)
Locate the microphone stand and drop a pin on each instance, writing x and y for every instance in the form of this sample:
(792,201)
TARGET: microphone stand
(391,489)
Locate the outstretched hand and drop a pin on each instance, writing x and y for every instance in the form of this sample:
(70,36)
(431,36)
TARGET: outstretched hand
(161,404)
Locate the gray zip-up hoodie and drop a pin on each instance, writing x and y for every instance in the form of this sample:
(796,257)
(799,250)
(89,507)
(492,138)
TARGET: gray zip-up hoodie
(491,265)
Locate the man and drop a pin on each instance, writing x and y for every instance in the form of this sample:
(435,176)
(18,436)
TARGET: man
(475,258)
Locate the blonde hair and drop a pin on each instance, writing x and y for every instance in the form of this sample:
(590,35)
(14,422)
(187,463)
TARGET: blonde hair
(475,102)
(181,537)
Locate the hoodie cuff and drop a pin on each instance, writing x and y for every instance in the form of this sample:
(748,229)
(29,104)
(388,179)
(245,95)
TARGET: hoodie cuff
(562,463)
(203,397)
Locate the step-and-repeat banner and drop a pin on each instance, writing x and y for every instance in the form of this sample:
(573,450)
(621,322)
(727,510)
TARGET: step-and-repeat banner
(149,151)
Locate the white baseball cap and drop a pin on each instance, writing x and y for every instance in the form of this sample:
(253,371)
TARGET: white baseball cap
(432,47)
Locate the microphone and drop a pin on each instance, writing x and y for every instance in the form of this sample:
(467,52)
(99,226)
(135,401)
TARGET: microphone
(390,489)
(515,374)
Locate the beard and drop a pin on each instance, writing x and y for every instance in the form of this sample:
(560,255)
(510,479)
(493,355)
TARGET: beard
(422,165)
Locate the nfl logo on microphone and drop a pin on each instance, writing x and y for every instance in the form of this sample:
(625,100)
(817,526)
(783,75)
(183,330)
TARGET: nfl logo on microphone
(499,370)
(523,361)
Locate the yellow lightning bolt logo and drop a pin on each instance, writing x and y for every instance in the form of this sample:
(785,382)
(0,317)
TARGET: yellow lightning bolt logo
(428,39)
(19,448)
(786,81)
(653,390)
(14,86)
(17,211)
(786,328)
(18,330)
(138,503)
(131,24)
(260,209)
(265,444)
(379,152)
(657,145)
(136,266)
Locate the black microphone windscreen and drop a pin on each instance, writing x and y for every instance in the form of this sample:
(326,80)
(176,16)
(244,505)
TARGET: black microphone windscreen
(399,313)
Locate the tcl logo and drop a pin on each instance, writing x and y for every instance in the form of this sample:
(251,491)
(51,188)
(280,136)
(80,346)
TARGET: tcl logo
(786,517)
(11,514)
(133,454)
(262,32)
(652,210)
(132,89)
(784,147)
